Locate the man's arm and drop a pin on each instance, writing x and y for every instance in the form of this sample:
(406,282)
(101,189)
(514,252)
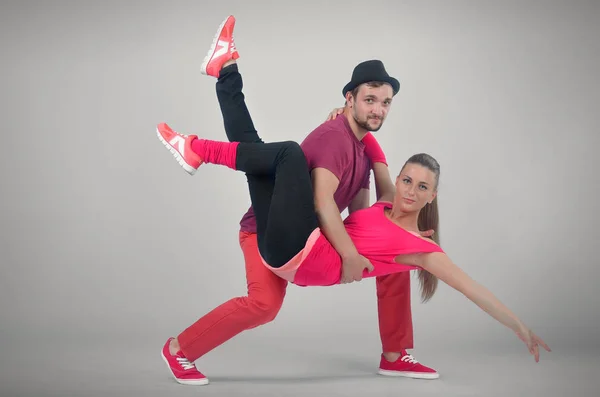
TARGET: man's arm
(325,184)
(385,188)
(360,201)
(327,159)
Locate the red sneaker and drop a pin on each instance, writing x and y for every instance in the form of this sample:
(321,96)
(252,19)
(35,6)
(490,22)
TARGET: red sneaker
(180,146)
(182,369)
(406,366)
(222,49)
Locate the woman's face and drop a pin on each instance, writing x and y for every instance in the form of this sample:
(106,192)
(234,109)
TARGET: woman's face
(415,187)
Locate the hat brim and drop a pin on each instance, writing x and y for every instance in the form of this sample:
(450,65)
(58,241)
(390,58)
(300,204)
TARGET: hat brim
(390,80)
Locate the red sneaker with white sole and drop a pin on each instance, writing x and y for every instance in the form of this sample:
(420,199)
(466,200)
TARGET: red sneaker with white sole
(406,366)
(184,371)
(222,49)
(180,146)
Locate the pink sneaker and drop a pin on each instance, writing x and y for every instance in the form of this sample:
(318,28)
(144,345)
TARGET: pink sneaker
(180,146)
(406,366)
(222,49)
(182,369)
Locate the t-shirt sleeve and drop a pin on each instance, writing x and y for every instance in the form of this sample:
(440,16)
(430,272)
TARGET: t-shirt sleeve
(326,150)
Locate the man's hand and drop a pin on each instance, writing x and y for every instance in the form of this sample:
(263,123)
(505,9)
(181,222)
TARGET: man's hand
(325,184)
(334,113)
(352,268)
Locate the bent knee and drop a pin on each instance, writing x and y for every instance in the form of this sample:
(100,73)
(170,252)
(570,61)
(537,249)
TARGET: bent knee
(267,307)
(293,148)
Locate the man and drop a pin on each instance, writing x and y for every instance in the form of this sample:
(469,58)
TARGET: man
(340,173)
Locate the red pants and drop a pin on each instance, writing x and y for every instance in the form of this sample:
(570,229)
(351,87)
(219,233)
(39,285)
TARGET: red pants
(266,292)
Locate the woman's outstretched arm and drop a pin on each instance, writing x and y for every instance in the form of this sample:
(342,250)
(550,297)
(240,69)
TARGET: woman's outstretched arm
(440,265)
(444,269)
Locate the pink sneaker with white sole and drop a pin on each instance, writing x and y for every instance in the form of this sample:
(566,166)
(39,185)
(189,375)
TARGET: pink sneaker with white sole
(184,371)
(180,146)
(222,49)
(407,366)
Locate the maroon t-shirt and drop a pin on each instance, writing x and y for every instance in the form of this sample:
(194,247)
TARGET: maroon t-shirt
(333,146)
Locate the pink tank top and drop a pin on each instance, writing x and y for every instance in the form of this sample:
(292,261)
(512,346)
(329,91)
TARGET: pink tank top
(375,236)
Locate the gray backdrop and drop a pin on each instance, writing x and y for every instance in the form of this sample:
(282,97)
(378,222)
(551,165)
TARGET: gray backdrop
(108,247)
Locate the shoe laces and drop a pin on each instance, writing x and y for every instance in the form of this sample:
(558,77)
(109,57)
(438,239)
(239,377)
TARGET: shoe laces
(185,363)
(409,359)
(232,48)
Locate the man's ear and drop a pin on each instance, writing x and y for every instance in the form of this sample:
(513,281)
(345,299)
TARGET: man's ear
(349,99)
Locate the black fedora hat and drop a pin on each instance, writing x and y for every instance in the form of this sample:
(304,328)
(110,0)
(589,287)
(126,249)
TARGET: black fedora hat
(372,70)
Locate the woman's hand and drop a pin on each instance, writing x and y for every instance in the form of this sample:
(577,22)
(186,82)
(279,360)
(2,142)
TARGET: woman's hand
(334,113)
(427,233)
(532,341)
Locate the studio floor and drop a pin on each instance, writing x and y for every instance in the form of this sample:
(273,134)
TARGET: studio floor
(113,368)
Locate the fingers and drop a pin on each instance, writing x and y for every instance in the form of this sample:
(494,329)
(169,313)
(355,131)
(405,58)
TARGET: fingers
(536,348)
(541,342)
(348,279)
(358,276)
(334,113)
(536,342)
(533,342)
(344,278)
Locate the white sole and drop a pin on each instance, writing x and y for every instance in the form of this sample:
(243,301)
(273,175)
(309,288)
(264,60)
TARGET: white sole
(413,375)
(200,382)
(213,46)
(188,168)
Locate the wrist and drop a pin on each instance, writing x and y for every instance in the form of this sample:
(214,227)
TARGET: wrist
(521,328)
(349,254)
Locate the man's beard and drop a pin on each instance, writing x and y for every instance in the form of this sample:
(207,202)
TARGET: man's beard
(365,125)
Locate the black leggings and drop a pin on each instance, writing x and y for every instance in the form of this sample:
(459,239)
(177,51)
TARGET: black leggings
(278,177)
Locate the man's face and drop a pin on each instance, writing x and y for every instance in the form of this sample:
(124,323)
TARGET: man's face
(371,105)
